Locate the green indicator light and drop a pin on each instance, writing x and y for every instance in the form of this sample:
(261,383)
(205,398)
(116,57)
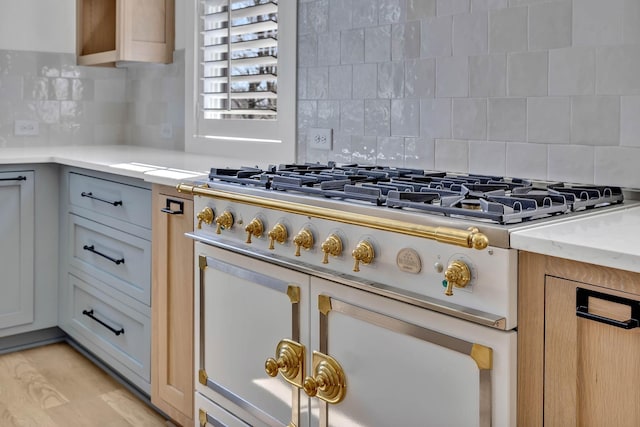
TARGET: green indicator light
(444,283)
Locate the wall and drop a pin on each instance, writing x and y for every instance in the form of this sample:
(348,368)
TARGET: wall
(528,88)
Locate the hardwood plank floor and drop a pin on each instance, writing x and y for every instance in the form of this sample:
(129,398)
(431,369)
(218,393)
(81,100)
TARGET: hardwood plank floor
(55,386)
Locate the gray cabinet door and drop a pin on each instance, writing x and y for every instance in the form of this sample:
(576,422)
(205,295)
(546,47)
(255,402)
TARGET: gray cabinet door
(16,248)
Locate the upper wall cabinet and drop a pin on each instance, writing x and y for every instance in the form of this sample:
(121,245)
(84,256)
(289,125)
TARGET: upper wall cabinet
(109,31)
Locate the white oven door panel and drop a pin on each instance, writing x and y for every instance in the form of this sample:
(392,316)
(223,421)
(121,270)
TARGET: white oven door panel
(409,366)
(246,311)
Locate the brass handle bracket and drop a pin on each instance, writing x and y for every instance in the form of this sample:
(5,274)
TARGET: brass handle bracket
(328,382)
(289,361)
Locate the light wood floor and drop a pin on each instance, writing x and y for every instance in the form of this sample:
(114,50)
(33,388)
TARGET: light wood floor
(55,386)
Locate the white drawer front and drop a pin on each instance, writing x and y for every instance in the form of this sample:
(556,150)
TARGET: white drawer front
(214,415)
(120,201)
(117,258)
(113,327)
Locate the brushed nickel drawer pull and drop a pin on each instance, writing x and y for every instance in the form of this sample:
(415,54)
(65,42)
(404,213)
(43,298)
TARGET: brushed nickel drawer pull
(91,196)
(92,249)
(89,313)
(582,308)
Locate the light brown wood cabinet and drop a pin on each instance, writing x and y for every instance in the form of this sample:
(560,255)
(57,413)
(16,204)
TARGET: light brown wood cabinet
(172,371)
(109,31)
(578,344)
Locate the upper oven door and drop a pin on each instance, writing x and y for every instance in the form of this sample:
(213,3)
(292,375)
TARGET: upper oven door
(402,365)
(245,310)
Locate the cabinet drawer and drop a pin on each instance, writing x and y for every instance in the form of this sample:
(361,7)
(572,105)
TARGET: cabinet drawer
(214,415)
(113,199)
(117,258)
(113,327)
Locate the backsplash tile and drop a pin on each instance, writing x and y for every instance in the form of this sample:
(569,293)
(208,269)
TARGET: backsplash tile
(543,89)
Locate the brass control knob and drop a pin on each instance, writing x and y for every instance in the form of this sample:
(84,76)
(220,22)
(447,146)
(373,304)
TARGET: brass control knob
(304,239)
(206,216)
(331,246)
(224,220)
(328,382)
(363,253)
(289,362)
(457,274)
(277,234)
(254,228)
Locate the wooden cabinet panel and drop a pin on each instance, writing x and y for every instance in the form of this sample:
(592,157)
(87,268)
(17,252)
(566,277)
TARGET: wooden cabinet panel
(172,310)
(574,370)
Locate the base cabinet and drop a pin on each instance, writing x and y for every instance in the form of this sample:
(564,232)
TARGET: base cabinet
(579,338)
(17,250)
(172,310)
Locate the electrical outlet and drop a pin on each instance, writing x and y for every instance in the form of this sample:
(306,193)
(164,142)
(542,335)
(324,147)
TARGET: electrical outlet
(320,139)
(26,128)
(166,130)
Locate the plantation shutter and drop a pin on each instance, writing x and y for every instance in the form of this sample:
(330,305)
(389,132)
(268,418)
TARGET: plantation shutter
(239,59)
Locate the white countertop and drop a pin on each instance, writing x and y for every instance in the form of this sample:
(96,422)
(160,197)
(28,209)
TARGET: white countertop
(607,239)
(152,165)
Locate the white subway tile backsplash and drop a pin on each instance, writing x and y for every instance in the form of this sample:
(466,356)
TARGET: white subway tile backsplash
(377,44)
(419,153)
(419,78)
(377,117)
(451,155)
(405,117)
(328,49)
(470,33)
(617,70)
(420,9)
(527,74)
(10,87)
(436,37)
(452,7)
(36,88)
(549,120)
(617,167)
(435,118)
(572,71)
(508,30)
(488,75)
(469,118)
(597,22)
(365,13)
(352,46)
(328,114)
(391,11)
(571,163)
(405,40)
(390,151)
(365,78)
(340,15)
(364,149)
(550,25)
(340,83)
(317,16)
(452,76)
(478,5)
(595,120)
(630,121)
(487,157)
(391,79)
(341,152)
(507,119)
(110,90)
(307,114)
(308,50)
(631,22)
(352,117)
(527,160)
(318,82)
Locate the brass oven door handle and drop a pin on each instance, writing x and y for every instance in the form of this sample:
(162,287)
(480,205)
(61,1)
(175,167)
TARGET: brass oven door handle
(289,361)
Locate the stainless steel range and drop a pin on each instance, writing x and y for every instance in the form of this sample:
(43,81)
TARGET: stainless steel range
(386,295)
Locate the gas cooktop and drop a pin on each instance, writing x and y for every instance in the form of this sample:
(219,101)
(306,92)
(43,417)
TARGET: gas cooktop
(490,199)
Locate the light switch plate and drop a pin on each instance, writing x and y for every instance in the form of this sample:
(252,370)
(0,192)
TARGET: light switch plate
(320,139)
(26,128)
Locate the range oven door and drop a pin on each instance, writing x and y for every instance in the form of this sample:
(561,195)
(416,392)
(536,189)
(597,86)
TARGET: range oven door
(403,365)
(245,309)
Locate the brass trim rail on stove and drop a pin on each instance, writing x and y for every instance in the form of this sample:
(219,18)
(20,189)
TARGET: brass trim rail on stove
(471,238)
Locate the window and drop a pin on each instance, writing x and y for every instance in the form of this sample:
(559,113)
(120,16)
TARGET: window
(241,70)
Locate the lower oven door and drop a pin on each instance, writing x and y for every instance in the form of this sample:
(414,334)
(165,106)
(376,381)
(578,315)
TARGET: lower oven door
(403,365)
(244,309)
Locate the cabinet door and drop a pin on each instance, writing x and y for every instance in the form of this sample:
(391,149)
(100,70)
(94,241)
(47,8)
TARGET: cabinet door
(172,309)
(246,308)
(406,366)
(591,366)
(16,248)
